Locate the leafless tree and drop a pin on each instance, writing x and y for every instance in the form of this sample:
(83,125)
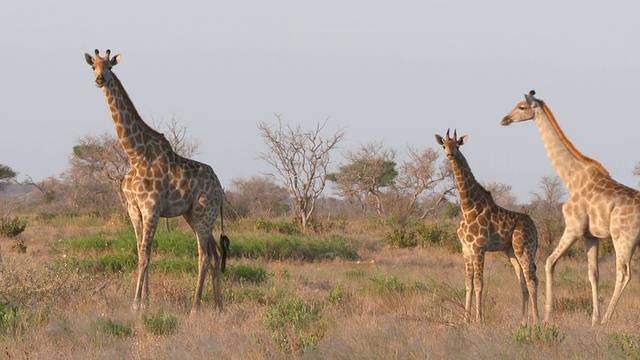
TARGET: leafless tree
(176,134)
(421,174)
(502,194)
(257,196)
(546,208)
(300,159)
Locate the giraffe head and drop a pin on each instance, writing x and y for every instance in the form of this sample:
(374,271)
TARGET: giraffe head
(525,110)
(102,66)
(451,145)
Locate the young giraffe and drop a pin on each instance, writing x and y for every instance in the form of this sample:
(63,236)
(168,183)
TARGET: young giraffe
(598,206)
(488,227)
(161,183)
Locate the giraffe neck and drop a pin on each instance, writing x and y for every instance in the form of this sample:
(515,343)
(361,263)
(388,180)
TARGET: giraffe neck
(565,158)
(471,193)
(138,139)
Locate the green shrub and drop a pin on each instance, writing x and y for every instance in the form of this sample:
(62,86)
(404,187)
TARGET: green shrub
(443,235)
(15,319)
(175,265)
(538,334)
(293,247)
(159,323)
(19,245)
(385,285)
(113,328)
(401,238)
(294,324)
(280,226)
(253,274)
(624,345)
(12,227)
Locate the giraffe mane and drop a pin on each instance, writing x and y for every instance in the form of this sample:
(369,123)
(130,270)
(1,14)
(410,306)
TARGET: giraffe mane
(572,148)
(134,112)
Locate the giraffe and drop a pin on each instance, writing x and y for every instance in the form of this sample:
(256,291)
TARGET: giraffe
(161,183)
(598,206)
(486,226)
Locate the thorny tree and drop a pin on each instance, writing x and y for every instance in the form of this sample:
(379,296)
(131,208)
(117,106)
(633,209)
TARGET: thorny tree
(422,174)
(300,159)
(367,172)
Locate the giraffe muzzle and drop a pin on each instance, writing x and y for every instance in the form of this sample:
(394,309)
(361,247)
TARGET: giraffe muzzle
(506,121)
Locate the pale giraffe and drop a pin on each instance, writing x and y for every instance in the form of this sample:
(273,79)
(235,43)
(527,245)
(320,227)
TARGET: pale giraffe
(598,207)
(486,226)
(161,183)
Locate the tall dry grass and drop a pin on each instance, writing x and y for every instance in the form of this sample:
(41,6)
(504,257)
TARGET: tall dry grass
(390,303)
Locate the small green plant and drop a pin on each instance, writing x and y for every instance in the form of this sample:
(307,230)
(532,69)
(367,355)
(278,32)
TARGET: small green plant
(19,245)
(294,324)
(113,327)
(401,238)
(384,285)
(253,274)
(538,334)
(337,295)
(624,345)
(159,323)
(15,320)
(12,227)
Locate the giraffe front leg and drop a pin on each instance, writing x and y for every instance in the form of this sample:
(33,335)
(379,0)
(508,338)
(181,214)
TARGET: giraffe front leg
(144,259)
(568,238)
(468,282)
(478,284)
(136,221)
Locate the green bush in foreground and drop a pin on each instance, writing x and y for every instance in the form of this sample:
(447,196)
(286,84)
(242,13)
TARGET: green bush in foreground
(159,323)
(113,327)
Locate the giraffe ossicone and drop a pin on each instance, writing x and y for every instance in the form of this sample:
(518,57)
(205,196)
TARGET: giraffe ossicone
(598,207)
(162,183)
(485,226)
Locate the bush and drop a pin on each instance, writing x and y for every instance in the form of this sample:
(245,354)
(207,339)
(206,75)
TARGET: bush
(113,328)
(294,324)
(249,273)
(159,323)
(443,235)
(294,247)
(12,227)
(624,345)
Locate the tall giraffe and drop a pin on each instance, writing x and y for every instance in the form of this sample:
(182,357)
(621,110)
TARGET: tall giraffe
(486,226)
(598,206)
(161,183)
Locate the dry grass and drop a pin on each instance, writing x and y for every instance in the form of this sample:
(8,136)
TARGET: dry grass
(392,303)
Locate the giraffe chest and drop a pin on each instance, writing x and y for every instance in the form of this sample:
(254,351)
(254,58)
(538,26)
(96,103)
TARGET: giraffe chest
(490,231)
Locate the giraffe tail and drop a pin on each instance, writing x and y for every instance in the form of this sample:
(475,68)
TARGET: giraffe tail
(224,240)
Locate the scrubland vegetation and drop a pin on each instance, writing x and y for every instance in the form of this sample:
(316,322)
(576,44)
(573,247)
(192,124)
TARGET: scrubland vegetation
(353,290)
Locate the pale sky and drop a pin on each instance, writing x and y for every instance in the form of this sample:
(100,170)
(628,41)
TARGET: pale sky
(391,71)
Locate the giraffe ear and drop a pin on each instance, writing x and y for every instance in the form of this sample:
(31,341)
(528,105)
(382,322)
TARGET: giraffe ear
(531,101)
(88,58)
(439,139)
(462,140)
(115,60)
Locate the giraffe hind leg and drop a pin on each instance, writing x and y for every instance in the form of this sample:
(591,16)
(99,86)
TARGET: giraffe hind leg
(623,275)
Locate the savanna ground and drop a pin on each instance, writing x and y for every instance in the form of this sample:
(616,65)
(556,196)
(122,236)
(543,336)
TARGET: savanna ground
(66,292)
